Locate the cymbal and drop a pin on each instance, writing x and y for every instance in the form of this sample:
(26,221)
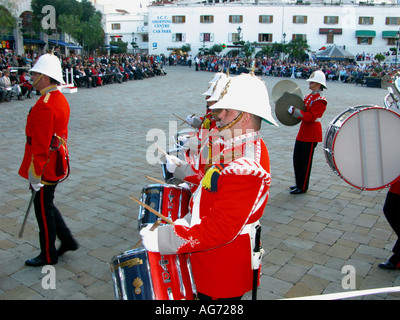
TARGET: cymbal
(282,106)
(285,86)
(386,81)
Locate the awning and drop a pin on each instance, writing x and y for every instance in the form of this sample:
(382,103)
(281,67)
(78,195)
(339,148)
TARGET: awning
(365,33)
(389,34)
(64,44)
(34,41)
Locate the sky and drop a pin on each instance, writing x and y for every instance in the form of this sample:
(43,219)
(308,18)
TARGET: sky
(128,5)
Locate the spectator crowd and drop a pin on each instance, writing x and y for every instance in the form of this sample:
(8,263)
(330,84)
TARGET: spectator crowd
(90,72)
(79,71)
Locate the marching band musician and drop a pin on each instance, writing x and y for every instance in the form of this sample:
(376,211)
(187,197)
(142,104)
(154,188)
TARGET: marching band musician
(310,132)
(200,145)
(226,208)
(45,162)
(391,212)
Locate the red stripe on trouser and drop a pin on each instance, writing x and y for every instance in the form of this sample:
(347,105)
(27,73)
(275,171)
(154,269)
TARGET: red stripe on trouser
(46,229)
(308,166)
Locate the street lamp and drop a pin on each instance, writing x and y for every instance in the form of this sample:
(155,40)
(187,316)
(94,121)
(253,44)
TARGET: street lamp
(397,45)
(239,30)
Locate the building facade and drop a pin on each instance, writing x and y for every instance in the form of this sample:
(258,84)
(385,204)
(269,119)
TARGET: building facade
(359,28)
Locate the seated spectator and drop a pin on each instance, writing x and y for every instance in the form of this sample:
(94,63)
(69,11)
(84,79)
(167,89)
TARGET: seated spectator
(26,87)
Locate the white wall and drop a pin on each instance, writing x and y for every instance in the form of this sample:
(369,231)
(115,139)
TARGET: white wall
(160,38)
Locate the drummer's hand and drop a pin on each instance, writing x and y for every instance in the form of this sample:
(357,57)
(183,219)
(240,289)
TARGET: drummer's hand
(190,119)
(172,162)
(149,238)
(291,109)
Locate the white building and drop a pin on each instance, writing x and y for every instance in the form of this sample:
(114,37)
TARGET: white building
(359,27)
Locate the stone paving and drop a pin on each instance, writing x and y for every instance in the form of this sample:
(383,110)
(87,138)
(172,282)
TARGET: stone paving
(308,238)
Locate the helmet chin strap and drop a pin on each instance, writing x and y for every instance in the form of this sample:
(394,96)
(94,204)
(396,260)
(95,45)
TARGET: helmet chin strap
(38,79)
(232,123)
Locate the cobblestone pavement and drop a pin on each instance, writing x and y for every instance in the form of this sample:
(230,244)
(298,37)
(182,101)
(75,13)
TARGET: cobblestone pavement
(308,238)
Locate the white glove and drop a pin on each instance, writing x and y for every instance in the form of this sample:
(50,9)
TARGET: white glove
(36,186)
(291,109)
(182,222)
(172,162)
(184,185)
(149,238)
(189,120)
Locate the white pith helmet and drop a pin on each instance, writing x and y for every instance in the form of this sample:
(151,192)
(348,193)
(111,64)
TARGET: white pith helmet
(318,77)
(49,65)
(218,88)
(246,93)
(212,83)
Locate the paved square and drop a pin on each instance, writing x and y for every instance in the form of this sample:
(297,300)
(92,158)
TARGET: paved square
(308,238)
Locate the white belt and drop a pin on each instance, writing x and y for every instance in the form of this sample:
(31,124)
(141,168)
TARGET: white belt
(256,257)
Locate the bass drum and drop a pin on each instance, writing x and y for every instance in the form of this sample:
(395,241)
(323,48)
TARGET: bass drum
(359,147)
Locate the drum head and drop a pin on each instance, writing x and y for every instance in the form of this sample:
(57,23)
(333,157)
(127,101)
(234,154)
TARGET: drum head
(363,150)
(282,106)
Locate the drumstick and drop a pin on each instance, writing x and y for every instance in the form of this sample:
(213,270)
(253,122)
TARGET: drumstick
(156,180)
(152,210)
(166,154)
(184,119)
(153,227)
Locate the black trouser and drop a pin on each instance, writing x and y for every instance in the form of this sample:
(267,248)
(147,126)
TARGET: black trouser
(302,162)
(391,209)
(50,222)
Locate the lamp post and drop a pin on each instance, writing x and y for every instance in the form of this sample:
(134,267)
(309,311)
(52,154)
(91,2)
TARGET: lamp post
(239,30)
(397,46)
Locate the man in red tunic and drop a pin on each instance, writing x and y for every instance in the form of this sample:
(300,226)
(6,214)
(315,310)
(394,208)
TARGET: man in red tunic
(226,208)
(310,132)
(45,162)
(391,209)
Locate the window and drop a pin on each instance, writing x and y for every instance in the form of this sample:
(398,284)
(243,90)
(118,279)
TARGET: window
(236,19)
(179,37)
(329,38)
(233,37)
(299,36)
(178,19)
(365,20)
(393,21)
(116,26)
(331,19)
(206,19)
(265,19)
(206,37)
(265,37)
(299,19)
(364,40)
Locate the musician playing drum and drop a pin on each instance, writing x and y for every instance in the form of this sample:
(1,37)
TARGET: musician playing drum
(310,132)
(226,209)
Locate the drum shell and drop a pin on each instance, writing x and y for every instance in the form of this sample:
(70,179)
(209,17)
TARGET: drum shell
(170,200)
(141,275)
(357,146)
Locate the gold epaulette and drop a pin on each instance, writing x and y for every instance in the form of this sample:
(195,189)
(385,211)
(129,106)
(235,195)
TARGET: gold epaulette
(46,98)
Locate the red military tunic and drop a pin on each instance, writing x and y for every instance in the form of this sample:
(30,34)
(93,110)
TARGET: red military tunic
(310,127)
(218,239)
(48,118)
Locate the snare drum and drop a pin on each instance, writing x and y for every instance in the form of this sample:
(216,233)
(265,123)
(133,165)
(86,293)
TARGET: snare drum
(170,200)
(359,146)
(141,275)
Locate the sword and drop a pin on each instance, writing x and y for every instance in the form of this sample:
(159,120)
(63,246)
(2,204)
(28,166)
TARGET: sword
(26,214)
(257,248)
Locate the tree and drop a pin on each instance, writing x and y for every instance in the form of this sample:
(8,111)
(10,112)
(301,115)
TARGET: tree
(7,21)
(298,48)
(78,19)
